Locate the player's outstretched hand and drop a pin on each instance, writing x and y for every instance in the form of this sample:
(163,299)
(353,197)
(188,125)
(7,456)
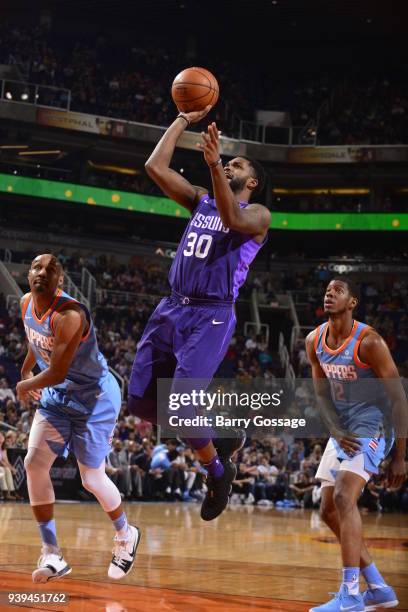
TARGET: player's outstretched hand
(196,116)
(397,473)
(210,144)
(348,442)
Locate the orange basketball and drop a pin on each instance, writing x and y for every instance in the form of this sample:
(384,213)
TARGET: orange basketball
(193,89)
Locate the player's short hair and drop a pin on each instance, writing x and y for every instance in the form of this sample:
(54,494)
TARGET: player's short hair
(352,285)
(258,173)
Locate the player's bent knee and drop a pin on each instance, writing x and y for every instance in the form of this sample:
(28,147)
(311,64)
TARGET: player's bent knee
(28,463)
(328,513)
(90,483)
(342,500)
(36,460)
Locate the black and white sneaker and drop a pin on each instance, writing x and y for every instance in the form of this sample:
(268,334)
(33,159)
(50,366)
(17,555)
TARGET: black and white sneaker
(124,553)
(219,489)
(51,565)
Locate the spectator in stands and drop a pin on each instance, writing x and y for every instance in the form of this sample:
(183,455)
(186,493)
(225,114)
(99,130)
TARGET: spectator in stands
(293,463)
(243,487)
(302,490)
(315,456)
(370,499)
(265,482)
(161,479)
(5,391)
(389,497)
(118,468)
(11,438)
(174,473)
(6,473)
(137,461)
(194,476)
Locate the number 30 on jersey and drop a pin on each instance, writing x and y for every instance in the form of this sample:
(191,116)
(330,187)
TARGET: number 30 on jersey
(197,245)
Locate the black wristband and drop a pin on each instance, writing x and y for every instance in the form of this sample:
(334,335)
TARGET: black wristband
(183,117)
(219,161)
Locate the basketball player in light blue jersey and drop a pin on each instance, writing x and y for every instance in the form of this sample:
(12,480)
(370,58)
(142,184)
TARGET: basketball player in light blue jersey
(79,404)
(356,381)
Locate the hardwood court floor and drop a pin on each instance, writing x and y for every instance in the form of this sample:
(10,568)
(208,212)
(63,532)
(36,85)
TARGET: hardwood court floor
(250,559)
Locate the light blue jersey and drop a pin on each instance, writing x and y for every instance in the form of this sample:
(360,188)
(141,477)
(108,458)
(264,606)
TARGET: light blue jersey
(81,412)
(358,395)
(88,366)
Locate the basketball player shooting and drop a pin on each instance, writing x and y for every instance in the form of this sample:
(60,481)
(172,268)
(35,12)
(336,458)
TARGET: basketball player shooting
(188,334)
(356,383)
(80,402)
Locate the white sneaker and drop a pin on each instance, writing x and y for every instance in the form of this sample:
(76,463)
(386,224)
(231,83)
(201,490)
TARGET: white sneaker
(51,565)
(249,500)
(124,553)
(234,499)
(265,502)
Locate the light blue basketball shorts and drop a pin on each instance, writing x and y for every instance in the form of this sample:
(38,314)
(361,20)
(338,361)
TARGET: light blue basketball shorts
(83,425)
(364,463)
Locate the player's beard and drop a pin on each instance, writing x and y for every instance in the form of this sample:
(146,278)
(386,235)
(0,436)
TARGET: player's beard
(237,184)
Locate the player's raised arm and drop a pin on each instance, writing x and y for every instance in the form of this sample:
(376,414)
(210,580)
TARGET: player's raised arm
(325,406)
(253,219)
(158,168)
(69,327)
(375,353)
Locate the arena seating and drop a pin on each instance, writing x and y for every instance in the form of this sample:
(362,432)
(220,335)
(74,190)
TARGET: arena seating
(134,84)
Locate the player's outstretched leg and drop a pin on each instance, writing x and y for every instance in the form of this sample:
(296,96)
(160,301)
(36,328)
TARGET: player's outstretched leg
(127,537)
(51,564)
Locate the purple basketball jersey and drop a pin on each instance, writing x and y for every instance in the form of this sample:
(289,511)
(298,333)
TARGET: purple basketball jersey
(212,261)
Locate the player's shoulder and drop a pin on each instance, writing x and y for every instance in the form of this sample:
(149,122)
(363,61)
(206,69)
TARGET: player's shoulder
(24,300)
(68,314)
(312,336)
(261,209)
(373,349)
(371,338)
